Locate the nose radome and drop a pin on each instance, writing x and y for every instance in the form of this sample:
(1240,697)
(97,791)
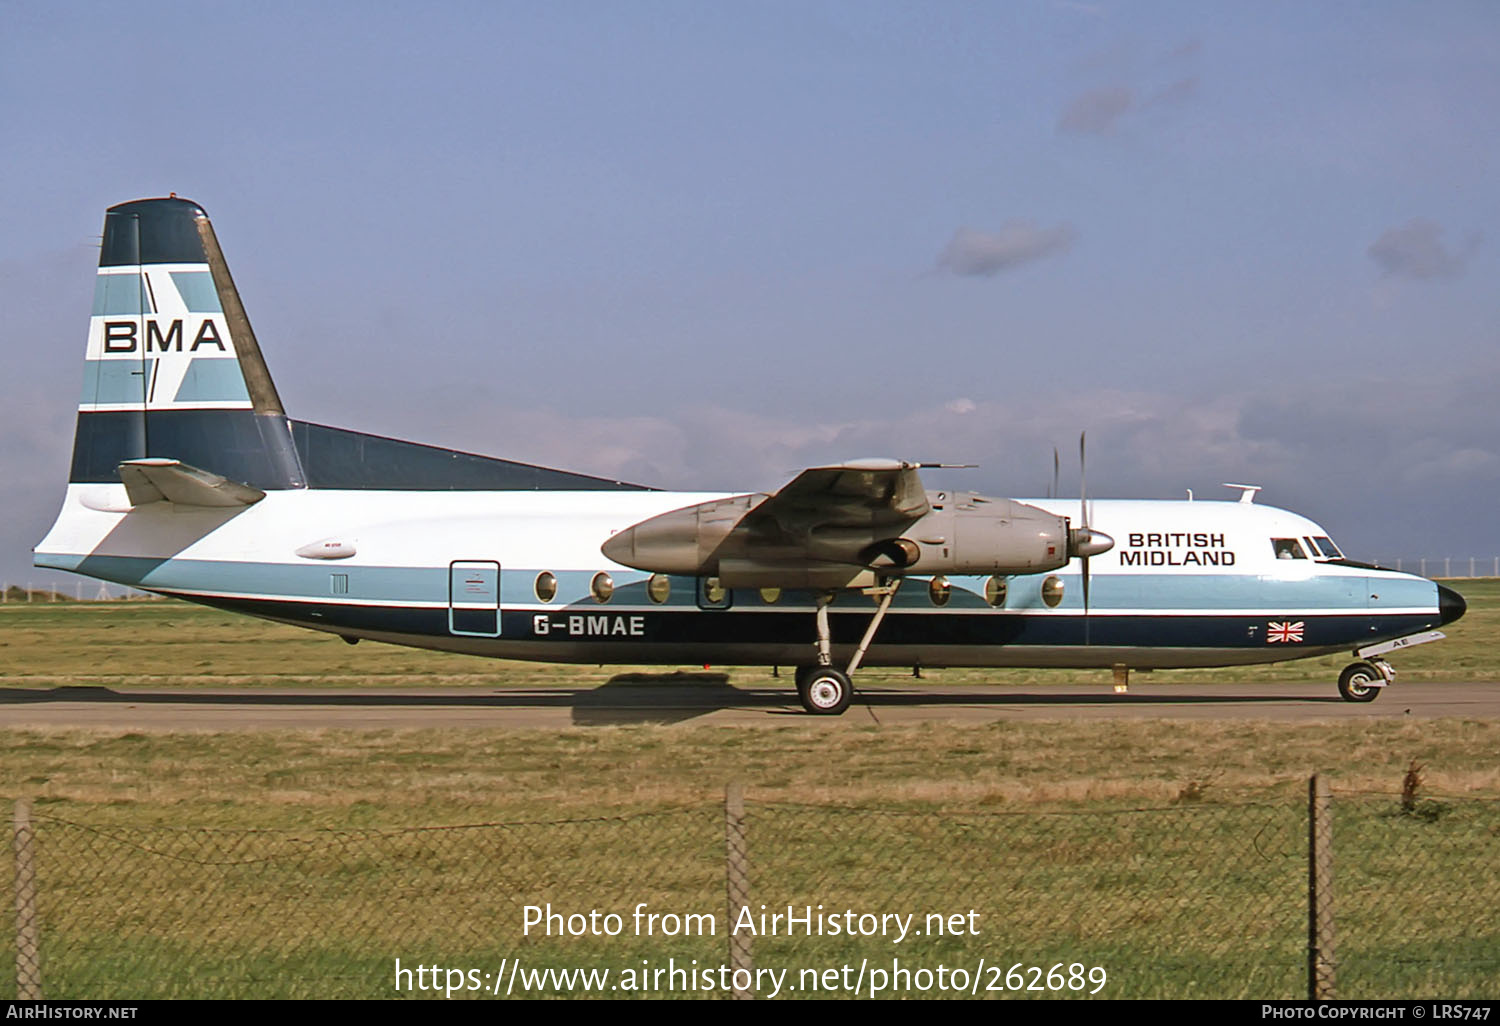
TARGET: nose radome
(1451,605)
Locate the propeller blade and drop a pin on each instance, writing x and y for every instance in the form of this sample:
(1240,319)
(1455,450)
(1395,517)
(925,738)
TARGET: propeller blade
(1087,535)
(1085,600)
(1056,470)
(1083,481)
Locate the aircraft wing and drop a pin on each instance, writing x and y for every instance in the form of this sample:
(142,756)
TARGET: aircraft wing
(861,493)
(822,528)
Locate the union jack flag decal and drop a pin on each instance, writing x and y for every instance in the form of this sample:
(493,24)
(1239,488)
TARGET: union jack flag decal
(1283,632)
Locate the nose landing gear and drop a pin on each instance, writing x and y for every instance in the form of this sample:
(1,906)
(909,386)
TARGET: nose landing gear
(1363,681)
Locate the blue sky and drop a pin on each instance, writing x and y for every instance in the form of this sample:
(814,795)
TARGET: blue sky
(704,245)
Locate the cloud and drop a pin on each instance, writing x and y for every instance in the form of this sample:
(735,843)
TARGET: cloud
(1186,50)
(1096,111)
(973,253)
(1175,92)
(1322,449)
(1416,250)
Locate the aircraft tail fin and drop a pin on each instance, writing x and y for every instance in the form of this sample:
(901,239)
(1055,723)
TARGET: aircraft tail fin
(173,369)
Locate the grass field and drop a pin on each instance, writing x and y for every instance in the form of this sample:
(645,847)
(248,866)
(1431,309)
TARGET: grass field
(407,776)
(1034,820)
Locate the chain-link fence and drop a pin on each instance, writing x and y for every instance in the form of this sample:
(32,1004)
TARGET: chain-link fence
(1192,900)
(1442,567)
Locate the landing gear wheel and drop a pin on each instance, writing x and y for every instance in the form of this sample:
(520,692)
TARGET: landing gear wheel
(1360,682)
(824,690)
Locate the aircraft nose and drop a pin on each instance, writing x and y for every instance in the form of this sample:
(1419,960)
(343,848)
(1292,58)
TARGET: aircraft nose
(1451,605)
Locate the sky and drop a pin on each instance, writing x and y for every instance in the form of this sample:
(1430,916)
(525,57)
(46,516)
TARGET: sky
(703,246)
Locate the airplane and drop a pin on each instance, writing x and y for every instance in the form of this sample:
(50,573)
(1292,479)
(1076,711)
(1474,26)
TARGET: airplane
(189,480)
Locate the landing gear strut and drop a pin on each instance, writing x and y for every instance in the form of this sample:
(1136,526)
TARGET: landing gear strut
(824,689)
(1363,681)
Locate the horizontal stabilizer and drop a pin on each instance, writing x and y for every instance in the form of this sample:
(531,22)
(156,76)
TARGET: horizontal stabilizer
(161,480)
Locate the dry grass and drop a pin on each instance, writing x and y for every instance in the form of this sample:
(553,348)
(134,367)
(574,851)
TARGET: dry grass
(328,776)
(295,780)
(335,777)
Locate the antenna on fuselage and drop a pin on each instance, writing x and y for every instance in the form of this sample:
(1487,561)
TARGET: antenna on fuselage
(1247,492)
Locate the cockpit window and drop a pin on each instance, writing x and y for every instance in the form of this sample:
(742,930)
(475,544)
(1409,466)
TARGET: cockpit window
(1288,548)
(1329,548)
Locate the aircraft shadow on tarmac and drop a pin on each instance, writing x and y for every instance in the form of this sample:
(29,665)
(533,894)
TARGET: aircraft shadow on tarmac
(632,698)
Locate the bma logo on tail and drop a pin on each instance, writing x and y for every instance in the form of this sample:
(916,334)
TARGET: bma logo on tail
(123,336)
(159,339)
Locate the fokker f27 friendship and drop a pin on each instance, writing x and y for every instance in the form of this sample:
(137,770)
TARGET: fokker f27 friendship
(189,479)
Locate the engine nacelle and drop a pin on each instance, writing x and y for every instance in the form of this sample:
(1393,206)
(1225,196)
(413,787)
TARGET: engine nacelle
(961,534)
(971,534)
(685,541)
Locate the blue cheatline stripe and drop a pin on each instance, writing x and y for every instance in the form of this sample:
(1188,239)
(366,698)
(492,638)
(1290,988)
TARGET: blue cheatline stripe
(213,379)
(1222,591)
(310,579)
(119,294)
(116,381)
(775,631)
(197,291)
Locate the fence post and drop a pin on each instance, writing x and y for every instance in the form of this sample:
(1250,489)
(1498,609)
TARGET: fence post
(28,959)
(737,883)
(1320,936)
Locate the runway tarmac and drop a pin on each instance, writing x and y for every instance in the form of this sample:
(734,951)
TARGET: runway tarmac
(710,699)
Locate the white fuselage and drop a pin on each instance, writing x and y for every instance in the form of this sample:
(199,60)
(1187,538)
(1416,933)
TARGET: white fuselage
(1186,583)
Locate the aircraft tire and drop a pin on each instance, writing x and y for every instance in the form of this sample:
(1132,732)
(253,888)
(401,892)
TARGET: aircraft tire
(1356,683)
(824,691)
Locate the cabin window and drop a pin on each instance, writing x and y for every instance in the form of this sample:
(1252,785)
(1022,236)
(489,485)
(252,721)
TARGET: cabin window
(712,594)
(940,591)
(603,587)
(994,591)
(546,586)
(770,596)
(1052,591)
(659,587)
(1288,548)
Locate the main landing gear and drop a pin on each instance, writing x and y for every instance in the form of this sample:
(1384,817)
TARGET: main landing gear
(824,689)
(1363,681)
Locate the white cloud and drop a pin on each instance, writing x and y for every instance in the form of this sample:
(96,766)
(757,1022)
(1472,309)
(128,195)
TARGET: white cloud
(1095,111)
(972,253)
(1416,250)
